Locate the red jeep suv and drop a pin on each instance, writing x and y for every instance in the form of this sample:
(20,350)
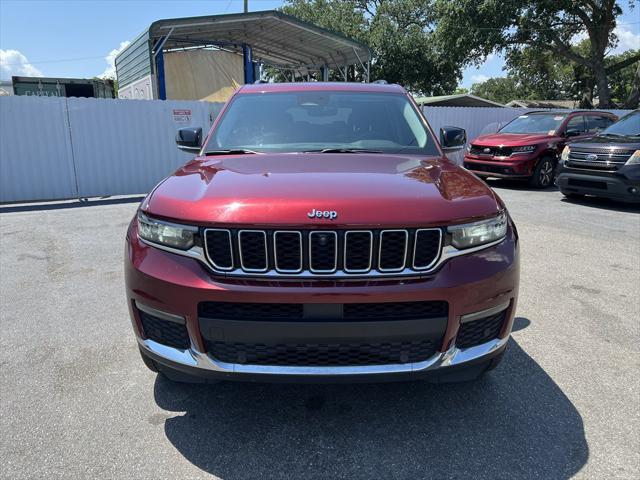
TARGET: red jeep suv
(321,234)
(529,146)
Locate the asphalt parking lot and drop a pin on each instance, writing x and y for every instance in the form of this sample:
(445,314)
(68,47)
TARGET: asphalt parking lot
(77,402)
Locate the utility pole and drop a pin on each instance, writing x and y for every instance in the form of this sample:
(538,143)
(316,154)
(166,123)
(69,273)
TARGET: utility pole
(246,6)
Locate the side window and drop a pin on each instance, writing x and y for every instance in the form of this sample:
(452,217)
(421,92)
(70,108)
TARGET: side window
(575,126)
(597,123)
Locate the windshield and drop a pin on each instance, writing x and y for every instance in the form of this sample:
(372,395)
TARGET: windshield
(629,126)
(322,120)
(546,123)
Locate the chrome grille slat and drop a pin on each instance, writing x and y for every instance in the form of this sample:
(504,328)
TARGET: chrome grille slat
(308,254)
(610,160)
(219,254)
(287,257)
(252,248)
(319,254)
(351,258)
(392,252)
(424,260)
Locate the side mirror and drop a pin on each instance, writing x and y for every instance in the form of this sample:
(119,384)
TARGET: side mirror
(452,138)
(189,139)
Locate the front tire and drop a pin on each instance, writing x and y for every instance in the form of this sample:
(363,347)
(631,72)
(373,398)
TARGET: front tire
(543,174)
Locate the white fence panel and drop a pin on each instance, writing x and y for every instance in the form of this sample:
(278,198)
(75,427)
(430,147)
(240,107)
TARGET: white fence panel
(127,146)
(35,149)
(54,148)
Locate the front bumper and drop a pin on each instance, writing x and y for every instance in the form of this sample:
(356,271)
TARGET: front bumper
(485,281)
(193,363)
(622,185)
(515,166)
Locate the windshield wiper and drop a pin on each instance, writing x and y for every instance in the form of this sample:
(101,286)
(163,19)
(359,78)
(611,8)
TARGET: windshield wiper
(233,151)
(343,150)
(610,135)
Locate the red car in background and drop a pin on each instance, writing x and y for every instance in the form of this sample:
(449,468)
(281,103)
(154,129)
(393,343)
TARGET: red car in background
(529,146)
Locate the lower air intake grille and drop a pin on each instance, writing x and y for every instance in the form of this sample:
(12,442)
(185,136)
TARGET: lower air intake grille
(352,312)
(395,310)
(323,354)
(480,331)
(250,311)
(167,333)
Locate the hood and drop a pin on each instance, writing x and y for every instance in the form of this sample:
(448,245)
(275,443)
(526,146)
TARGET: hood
(600,141)
(280,189)
(513,139)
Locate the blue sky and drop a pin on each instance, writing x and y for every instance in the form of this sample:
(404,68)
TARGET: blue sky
(78,38)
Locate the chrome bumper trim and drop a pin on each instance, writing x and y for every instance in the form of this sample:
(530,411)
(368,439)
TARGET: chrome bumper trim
(193,358)
(470,317)
(170,317)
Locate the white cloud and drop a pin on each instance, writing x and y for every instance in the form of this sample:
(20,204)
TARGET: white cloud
(12,62)
(490,57)
(110,71)
(627,40)
(479,78)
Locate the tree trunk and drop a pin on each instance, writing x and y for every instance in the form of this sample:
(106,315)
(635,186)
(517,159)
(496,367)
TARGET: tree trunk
(586,102)
(634,96)
(602,82)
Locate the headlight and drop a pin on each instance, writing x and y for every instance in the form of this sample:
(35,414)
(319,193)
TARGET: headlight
(478,233)
(525,149)
(165,233)
(564,156)
(634,159)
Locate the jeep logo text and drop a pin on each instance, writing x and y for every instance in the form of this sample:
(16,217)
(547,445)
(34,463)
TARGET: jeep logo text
(330,214)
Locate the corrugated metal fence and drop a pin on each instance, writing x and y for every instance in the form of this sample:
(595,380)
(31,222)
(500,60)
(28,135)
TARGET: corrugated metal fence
(54,148)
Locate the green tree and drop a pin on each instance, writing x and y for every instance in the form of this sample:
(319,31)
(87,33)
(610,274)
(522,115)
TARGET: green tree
(474,28)
(399,33)
(500,89)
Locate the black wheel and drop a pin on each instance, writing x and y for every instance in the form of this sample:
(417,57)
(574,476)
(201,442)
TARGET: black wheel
(151,365)
(544,173)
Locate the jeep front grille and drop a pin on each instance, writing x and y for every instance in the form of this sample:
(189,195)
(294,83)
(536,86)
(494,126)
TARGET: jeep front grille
(322,253)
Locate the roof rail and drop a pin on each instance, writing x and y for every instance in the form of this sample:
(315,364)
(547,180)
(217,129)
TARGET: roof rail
(260,81)
(380,82)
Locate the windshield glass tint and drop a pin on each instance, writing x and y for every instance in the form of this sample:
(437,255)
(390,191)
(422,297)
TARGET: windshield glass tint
(317,120)
(628,126)
(535,123)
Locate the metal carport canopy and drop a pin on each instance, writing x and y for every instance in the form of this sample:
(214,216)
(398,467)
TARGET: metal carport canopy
(274,37)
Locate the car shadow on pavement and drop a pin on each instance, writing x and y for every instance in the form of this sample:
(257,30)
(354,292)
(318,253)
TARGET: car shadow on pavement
(514,423)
